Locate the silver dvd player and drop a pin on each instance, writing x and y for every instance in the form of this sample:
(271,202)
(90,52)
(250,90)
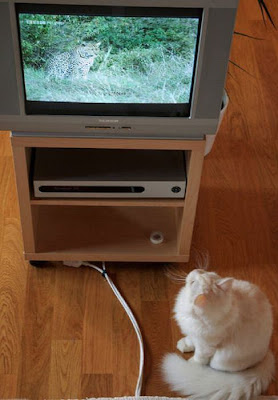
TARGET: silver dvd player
(98,173)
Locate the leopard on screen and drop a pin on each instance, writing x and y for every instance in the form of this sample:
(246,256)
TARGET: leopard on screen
(73,64)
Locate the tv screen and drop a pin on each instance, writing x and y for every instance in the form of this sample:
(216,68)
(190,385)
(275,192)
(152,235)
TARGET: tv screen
(91,60)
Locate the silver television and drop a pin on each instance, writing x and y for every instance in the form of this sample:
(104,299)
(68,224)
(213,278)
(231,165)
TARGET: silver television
(114,68)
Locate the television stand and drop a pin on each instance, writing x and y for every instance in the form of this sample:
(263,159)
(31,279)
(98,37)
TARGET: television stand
(101,229)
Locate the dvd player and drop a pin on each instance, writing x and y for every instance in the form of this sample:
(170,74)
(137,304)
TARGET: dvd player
(92,173)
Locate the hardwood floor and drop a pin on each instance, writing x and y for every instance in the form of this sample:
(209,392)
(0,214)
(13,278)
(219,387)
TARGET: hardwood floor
(62,332)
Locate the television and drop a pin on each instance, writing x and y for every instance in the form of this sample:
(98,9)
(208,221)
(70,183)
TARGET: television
(114,68)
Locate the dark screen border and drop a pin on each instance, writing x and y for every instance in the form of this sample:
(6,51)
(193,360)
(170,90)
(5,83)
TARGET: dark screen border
(105,109)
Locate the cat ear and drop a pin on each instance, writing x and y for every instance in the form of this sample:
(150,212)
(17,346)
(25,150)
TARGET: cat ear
(200,300)
(225,283)
(200,271)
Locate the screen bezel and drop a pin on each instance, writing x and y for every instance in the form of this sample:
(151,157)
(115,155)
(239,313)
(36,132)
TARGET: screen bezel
(107,109)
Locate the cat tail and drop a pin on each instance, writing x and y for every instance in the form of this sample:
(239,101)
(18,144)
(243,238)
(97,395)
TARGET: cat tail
(203,382)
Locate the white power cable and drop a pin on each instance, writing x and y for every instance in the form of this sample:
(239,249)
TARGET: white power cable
(127,310)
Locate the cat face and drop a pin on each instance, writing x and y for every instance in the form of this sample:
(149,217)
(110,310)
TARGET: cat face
(207,290)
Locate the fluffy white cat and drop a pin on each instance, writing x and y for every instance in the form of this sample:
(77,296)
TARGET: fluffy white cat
(228,325)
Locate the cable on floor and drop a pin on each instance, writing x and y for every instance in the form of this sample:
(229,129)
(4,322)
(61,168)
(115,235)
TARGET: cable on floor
(127,309)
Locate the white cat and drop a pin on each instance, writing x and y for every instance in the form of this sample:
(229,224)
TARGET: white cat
(228,325)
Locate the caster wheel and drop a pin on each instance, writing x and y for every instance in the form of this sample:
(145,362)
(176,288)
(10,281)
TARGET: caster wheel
(38,264)
(167,264)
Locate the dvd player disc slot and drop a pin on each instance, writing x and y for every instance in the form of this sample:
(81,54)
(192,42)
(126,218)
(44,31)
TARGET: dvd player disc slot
(91,189)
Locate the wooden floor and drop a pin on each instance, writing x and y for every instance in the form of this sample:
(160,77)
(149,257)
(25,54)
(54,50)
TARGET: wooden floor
(63,334)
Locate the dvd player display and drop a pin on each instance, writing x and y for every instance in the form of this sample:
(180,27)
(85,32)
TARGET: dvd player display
(98,173)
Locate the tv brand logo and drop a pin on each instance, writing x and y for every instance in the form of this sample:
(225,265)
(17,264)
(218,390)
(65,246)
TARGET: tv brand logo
(108,120)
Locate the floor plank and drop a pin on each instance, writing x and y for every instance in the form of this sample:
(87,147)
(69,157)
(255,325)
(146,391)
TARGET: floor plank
(36,342)
(65,369)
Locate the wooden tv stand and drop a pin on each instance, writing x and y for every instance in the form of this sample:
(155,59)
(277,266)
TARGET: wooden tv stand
(106,229)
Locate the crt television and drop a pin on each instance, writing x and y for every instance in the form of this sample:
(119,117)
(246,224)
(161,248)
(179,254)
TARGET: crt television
(114,68)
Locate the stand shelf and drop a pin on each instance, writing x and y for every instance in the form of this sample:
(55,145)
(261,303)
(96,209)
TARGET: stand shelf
(106,229)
